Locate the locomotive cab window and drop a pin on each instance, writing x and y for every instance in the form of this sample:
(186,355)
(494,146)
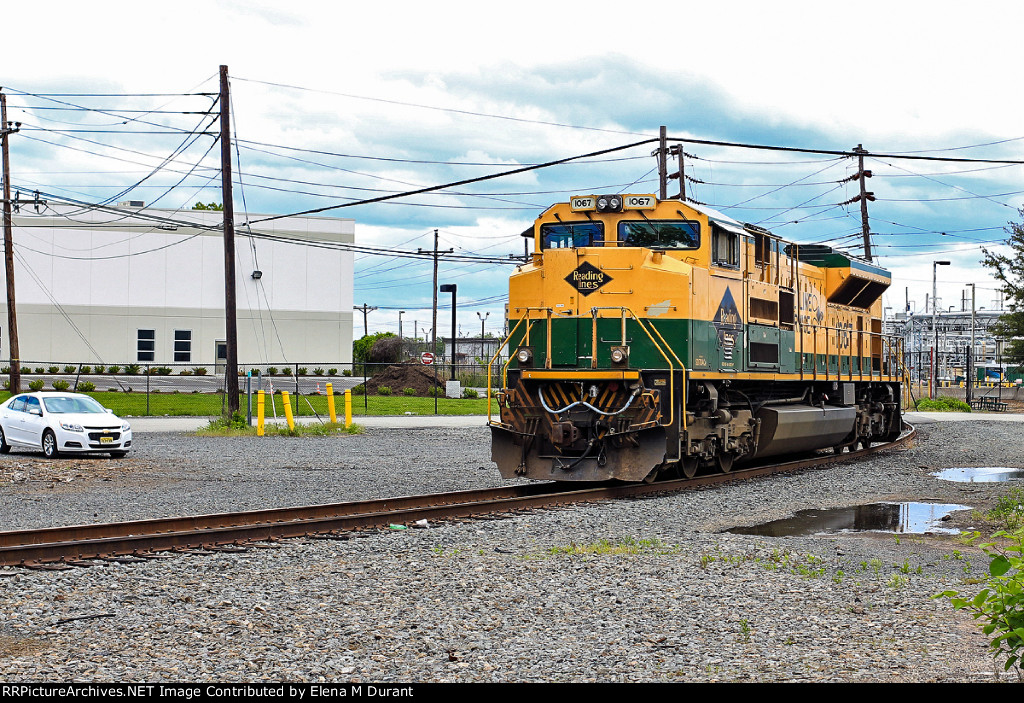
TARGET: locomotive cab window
(570,235)
(665,234)
(725,247)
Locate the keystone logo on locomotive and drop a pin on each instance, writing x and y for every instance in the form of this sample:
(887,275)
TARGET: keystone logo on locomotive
(586,278)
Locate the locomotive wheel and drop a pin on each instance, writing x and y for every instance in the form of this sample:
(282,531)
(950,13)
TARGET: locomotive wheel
(724,462)
(689,466)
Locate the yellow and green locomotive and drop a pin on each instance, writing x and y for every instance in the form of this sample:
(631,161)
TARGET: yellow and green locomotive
(650,336)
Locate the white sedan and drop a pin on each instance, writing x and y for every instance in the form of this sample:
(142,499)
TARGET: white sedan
(62,422)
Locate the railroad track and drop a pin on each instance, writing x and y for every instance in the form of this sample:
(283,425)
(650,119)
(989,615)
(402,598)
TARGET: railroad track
(86,545)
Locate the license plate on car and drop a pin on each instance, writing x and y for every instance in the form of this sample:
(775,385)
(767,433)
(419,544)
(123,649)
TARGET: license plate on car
(106,440)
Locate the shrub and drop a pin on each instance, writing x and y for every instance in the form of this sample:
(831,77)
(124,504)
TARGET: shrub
(359,390)
(999,607)
(85,369)
(384,390)
(114,369)
(302,371)
(86,387)
(318,371)
(61,385)
(53,369)
(69,369)
(7,385)
(346,372)
(40,369)
(470,393)
(286,371)
(36,385)
(5,369)
(184,372)
(199,370)
(436,391)
(100,368)
(332,372)
(271,370)
(409,391)
(1009,510)
(132,369)
(943,404)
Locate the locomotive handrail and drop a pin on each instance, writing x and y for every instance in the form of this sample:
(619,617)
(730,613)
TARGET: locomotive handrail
(815,331)
(508,338)
(658,347)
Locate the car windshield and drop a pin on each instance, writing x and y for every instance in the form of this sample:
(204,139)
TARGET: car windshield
(61,405)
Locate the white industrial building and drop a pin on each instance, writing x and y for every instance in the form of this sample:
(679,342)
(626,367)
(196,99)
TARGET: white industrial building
(141,285)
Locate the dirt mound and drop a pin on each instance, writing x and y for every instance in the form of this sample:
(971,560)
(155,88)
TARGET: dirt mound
(401,376)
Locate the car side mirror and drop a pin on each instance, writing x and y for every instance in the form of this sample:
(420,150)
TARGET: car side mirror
(108,410)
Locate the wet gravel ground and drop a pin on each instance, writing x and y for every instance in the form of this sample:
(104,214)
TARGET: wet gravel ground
(637,590)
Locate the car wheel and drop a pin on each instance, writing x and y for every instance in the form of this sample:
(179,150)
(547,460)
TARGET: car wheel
(49,444)
(5,448)
(118,455)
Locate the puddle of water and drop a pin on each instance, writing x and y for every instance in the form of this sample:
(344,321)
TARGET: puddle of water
(982,474)
(907,518)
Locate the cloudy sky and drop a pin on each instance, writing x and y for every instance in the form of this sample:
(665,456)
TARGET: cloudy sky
(334,103)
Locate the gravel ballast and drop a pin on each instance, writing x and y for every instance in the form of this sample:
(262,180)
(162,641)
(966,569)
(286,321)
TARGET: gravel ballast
(668,596)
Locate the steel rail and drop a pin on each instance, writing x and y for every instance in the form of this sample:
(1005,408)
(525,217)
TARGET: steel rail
(79,544)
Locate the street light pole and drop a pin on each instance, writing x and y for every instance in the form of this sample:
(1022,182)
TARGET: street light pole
(935,328)
(482,318)
(971,361)
(451,288)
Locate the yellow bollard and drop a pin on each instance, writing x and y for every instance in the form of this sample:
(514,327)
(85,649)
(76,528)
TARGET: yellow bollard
(288,410)
(330,403)
(260,403)
(348,408)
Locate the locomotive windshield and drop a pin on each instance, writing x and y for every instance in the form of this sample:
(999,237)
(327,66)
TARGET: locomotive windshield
(667,234)
(568,235)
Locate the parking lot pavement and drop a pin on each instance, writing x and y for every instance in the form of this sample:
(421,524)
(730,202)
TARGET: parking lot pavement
(190,424)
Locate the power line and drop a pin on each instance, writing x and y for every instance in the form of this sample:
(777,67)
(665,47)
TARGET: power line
(465,181)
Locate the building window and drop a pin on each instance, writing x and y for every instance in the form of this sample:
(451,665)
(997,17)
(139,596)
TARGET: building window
(183,345)
(146,345)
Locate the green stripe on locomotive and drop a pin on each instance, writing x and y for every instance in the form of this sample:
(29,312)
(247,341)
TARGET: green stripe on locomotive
(699,344)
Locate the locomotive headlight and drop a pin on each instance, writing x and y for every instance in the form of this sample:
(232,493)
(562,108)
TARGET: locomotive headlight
(609,203)
(619,355)
(525,355)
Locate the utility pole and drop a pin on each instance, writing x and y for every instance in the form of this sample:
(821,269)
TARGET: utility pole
(230,324)
(864,197)
(676,150)
(433,342)
(662,155)
(367,309)
(12,317)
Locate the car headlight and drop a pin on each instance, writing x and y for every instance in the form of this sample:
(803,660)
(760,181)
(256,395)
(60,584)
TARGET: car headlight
(71,427)
(125,427)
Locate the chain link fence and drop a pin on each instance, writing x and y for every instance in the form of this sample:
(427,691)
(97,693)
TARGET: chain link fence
(411,387)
